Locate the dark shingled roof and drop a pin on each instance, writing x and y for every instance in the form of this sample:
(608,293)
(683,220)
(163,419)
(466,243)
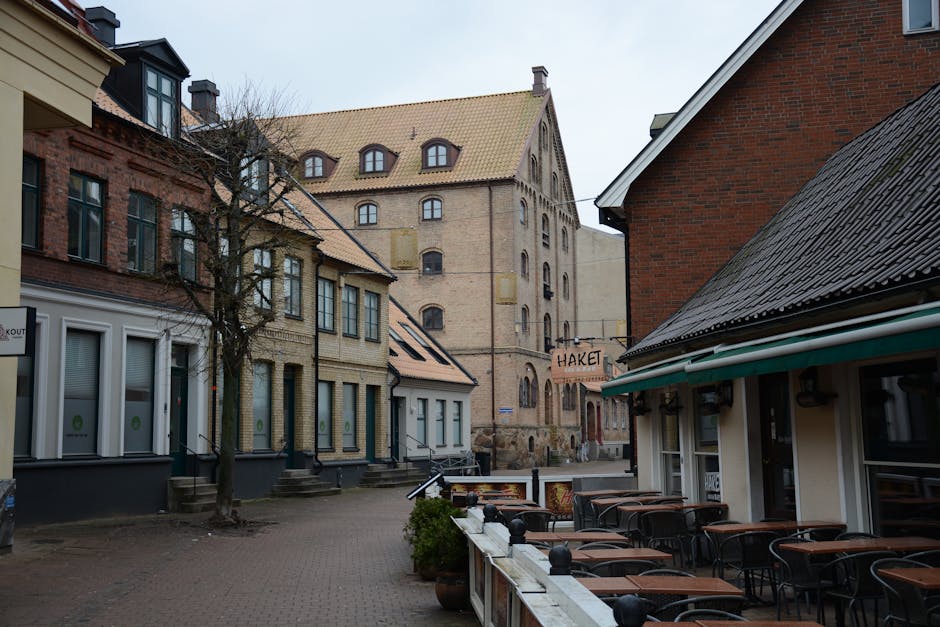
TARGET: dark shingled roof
(868,222)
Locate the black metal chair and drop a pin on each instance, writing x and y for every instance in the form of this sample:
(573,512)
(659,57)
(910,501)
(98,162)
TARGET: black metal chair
(621,568)
(604,545)
(852,583)
(580,515)
(931,558)
(609,516)
(669,572)
(698,518)
(855,535)
(733,604)
(797,573)
(906,603)
(748,554)
(818,534)
(535,521)
(689,616)
(666,530)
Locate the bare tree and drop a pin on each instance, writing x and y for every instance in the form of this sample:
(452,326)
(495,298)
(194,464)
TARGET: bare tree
(222,259)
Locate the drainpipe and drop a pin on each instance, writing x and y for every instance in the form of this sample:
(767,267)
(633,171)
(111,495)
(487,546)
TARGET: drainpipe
(317,464)
(492,336)
(392,408)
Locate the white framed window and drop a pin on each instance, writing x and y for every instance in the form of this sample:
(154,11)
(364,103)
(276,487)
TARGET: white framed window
(324,415)
(921,16)
(457,422)
(421,418)
(261,406)
(81,393)
(439,416)
(139,370)
(350,414)
(262,259)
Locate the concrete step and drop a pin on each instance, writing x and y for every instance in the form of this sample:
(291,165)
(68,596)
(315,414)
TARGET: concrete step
(188,481)
(296,479)
(295,472)
(306,491)
(414,473)
(388,483)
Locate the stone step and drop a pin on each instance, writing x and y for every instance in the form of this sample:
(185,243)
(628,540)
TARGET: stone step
(295,472)
(202,505)
(386,483)
(188,481)
(415,473)
(306,491)
(296,480)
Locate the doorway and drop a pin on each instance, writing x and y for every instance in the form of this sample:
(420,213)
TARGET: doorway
(777,446)
(289,418)
(398,409)
(372,392)
(179,396)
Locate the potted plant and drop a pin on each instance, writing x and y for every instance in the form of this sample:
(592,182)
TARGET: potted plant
(439,550)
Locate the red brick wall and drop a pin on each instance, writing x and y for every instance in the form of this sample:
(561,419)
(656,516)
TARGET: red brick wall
(832,71)
(104,152)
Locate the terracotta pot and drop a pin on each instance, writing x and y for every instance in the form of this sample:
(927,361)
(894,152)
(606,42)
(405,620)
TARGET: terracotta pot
(453,590)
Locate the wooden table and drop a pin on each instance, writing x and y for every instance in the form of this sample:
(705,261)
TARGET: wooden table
(757,623)
(515,509)
(593,556)
(590,494)
(573,536)
(607,501)
(639,509)
(692,586)
(783,525)
(901,545)
(924,578)
(611,585)
(501,502)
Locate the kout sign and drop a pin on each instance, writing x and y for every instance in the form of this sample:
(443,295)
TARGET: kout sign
(578,364)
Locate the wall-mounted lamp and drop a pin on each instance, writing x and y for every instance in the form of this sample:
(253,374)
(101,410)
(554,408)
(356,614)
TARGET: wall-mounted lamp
(670,405)
(714,397)
(639,404)
(810,395)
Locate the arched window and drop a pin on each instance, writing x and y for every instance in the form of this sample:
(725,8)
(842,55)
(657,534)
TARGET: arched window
(531,443)
(543,136)
(566,330)
(548,402)
(547,281)
(564,286)
(524,264)
(554,185)
(534,391)
(367,213)
(435,156)
(524,384)
(568,397)
(547,333)
(432,318)
(432,262)
(564,239)
(533,169)
(432,209)
(373,161)
(524,322)
(546,231)
(523,212)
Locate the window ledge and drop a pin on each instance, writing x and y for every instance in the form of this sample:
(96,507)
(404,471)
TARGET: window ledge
(350,449)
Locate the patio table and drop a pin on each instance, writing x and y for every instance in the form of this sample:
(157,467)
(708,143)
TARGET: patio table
(693,586)
(924,578)
(858,545)
(593,556)
(573,536)
(780,525)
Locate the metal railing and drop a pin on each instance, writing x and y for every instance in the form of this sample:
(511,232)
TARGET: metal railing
(431,451)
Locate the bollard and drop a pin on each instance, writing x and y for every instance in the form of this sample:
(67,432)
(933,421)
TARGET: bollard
(490,513)
(630,611)
(472,500)
(516,531)
(339,477)
(560,559)
(535,485)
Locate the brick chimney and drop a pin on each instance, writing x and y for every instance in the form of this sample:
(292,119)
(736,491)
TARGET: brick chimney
(204,93)
(104,22)
(539,80)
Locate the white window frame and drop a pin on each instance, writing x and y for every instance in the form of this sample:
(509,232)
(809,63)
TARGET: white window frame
(102,447)
(159,376)
(934,17)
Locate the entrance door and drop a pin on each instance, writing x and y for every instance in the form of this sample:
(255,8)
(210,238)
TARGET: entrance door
(179,400)
(777,446)
(371,394)
(289,402)
(398,409)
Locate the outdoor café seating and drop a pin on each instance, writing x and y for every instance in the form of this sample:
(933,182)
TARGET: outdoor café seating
(907,603)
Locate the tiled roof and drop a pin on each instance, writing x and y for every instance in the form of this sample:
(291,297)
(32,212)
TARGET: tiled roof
(105,102)
(491,131)
(427,362)
(868,223)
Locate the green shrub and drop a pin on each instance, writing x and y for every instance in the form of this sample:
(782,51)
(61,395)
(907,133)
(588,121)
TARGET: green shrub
(435,539)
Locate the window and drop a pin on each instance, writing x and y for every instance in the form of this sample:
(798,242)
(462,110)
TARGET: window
(31,196)
(432,318)
(457,422)
(554,185)
(568,397)
(80,402)
(373,160)
(261,406)
(85,198)
(566,330)
(350,311)
(254,174)
(440,414)
(671,451)
(524,324)
(313,167)
(141,233)
(564,239)
(432,262)
(138,396)
(424,344)
(350,412)
(523,212)
(431,209)
(920,16)
(161,110)
(546,231)
(421,416)
(262,294)
(543,136)
(547,333)
(524,389)
(324,415)
(183,243)
(533,169)
(371,322)
(547,281)
(524,264)
(435,156)
(23,424)
(326,305)
(706,447)
(565,291)
(292,287)
(368,213)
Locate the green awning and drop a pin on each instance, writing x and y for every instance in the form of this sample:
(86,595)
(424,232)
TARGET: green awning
(649,377)
(896,335)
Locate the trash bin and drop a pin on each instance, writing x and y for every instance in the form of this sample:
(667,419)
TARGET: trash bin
(483,458)
(7,500)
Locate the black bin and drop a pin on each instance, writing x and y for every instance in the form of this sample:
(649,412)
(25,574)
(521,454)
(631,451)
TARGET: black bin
(483,458)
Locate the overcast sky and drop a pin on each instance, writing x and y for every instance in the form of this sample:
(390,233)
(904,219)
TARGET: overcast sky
(611,64)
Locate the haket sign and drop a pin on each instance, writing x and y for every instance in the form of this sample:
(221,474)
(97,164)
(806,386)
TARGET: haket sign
(17,329)
(578,364)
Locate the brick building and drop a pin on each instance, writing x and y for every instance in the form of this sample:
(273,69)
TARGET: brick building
(483,181)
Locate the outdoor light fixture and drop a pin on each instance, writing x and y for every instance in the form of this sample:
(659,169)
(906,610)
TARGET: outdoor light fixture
(714,397)
(670,405)
(810,394)
(639,404)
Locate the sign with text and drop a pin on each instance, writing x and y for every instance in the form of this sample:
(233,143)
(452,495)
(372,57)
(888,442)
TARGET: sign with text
(17,328)
(578,364)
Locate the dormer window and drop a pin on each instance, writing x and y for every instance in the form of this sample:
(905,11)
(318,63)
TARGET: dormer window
(376,159)
(161,111)
(253,174)
(317,165)
(437,154)
(313,167)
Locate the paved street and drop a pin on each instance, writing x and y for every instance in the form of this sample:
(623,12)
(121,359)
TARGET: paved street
(337,560)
